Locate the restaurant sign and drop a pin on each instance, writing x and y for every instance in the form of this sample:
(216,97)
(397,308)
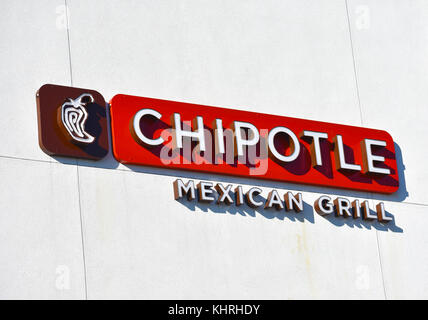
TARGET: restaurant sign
(176,135)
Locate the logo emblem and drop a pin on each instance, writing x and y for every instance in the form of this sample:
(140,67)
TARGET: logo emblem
(72,122)
(74,116)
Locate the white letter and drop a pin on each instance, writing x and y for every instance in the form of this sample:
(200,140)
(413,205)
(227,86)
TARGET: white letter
(368,162)
(381,215)
(189,189)
(356,208)
(180,133)
(293,202)
(205,190)
(250,197)
(316,136)
(274,200)
(339,154)
(323,205)
(219,137)
(343,207)
(239,194)
(240,142)
(136,130)
(296,144)
(223,194)
(366,213)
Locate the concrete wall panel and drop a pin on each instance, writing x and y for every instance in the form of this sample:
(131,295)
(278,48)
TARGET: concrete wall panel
(141,243)
(390,51)
(33,51)
(41,241)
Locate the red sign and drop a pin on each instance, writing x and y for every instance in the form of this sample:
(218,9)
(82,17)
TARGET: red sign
(186,136)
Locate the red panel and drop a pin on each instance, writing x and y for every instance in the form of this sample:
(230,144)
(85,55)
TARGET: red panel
(127,150)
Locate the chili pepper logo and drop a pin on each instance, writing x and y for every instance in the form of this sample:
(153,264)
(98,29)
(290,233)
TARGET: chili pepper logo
(73,116)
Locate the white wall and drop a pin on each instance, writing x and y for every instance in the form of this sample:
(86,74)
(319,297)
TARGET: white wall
(81,229)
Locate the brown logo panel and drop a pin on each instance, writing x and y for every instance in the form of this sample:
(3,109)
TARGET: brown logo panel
(72,122)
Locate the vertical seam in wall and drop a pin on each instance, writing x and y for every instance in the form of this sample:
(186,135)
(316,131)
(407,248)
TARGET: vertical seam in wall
(77,162)
(354,63)
(81,231)
(68,42)
(379,255)
(381,265)
(362,123)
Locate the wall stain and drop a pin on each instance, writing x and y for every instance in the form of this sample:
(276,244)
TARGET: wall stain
(302,248)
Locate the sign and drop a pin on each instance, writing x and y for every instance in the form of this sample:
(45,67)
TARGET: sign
(208,192)
(72,122)
(184,136)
